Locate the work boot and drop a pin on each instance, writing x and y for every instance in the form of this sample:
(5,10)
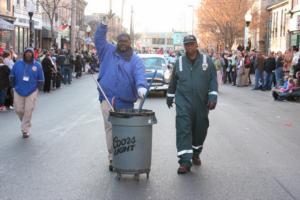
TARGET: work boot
(183,169)
(110,166)
(196,160)
(25,135)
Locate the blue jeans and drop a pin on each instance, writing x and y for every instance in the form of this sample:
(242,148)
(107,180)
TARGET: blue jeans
(3,93)
(233,77)
(67,74)
(61,69)
(259,79)
(279,76)
(268,80)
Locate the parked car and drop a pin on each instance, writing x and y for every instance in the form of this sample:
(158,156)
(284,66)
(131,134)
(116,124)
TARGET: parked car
(157,62)
(171,60)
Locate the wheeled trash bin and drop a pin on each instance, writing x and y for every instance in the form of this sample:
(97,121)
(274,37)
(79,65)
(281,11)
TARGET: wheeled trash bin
(132,141)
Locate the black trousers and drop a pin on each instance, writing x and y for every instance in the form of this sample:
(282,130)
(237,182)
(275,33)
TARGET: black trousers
(47,84)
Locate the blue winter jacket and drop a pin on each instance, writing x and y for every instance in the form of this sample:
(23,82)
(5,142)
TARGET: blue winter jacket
(34,73)
(119,78)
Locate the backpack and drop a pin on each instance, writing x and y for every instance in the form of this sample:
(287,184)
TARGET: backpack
(67,60)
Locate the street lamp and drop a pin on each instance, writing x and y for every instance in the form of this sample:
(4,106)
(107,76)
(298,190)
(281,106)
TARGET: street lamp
(248,19)
(30,9)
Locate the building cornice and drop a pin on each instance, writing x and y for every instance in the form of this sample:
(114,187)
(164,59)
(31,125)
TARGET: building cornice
(8,17)
(277,5)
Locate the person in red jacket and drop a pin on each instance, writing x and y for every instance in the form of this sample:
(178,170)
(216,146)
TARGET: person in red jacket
(36,54)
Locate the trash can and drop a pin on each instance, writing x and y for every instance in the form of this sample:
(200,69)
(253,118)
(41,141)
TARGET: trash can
(132,141)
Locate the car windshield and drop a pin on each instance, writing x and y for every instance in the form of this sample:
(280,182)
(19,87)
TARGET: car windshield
(154,63)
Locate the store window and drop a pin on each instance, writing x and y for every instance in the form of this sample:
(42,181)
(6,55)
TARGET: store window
(170,41)
(17,39)
(26,44)
(37,6)
(21,41)
(6,38)
(158,40)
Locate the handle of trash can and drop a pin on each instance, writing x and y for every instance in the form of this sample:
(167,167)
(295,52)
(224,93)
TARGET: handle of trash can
(143,99)
(102,91)
(154,120)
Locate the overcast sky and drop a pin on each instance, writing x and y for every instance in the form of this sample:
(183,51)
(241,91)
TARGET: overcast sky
(150,15)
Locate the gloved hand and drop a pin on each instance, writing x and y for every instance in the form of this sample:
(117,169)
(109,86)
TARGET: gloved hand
(170,101)
(142,92)
(211,105)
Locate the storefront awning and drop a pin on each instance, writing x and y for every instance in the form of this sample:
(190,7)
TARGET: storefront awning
(5,25)
(46,32)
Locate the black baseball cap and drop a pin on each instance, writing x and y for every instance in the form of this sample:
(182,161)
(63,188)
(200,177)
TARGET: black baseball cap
(189,39)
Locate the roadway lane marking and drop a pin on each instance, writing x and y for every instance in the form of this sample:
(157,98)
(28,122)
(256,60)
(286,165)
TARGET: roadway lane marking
(285,188)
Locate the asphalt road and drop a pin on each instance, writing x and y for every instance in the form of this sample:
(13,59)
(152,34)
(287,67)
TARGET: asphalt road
(252,151)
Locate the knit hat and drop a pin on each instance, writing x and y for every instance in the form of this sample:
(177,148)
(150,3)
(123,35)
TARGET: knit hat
(31,50)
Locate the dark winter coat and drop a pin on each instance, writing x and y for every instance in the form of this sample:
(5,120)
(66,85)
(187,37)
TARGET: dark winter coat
(279,62)
(4,76)
(47,65)
(78,64)
(270,64)
(259,63)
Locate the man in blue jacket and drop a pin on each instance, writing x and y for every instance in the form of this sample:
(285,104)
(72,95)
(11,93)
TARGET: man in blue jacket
(26,77)
(121,75)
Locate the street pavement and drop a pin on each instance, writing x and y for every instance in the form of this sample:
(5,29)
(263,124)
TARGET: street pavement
(252,151)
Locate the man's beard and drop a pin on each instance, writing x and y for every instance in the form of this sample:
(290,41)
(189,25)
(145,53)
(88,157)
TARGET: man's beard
(28,59)
(123,48)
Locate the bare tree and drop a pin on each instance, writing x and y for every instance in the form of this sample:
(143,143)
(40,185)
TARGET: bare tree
(51,10)
(221,21)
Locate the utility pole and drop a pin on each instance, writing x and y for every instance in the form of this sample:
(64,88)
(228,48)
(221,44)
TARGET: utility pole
(73,26)
(122,15)
(110,5)
(110,22)
(132,28)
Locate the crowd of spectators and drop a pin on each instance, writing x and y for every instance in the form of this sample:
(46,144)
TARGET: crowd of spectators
(277,72)
(59,66)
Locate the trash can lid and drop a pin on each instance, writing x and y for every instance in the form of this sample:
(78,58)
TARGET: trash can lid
(126,113)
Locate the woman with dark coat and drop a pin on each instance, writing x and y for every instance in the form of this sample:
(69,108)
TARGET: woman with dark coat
(78,66)
(48,67)
(4,83)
